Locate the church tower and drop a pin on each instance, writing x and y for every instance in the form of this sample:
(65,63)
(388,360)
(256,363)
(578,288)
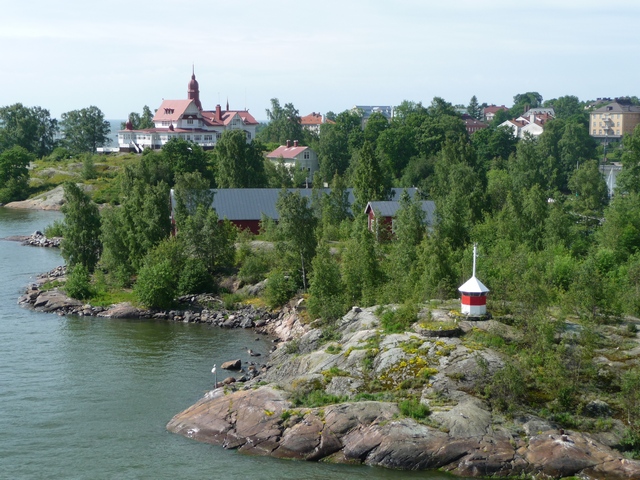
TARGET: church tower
(194,90)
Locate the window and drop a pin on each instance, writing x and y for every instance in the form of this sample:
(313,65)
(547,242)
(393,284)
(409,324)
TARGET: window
(190,122)
(306,155)
(166,123)
(218,136)
(208,138)
(197,138)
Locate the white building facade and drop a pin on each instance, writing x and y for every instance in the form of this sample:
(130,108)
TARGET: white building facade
(187,120)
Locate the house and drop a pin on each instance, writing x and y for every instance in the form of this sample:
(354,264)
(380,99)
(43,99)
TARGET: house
(313,121)
(490,111)
(296,156)
(186,119)
(472,125)
(246,207)
(365,111)
(614,119)
(528,123)
(383,213)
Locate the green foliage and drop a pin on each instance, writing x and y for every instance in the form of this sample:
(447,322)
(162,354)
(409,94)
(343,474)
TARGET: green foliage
(85,130)
(133,229)
(89,171)
(78,284)
(195,278)
(255,266)
(31,128)
(284,124)
(297,232)
(326,298)
(14,175)
(399,320)
(370,182)
(361,272)
(192,191)
(180,157)
(279,289)
(55,229)
(413,408)
(238,164)
(209,240)
(316,398)
(82,223)
(157,284)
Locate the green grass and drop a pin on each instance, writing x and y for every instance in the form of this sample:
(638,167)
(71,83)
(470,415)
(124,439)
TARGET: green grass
(316,398)
(414,409)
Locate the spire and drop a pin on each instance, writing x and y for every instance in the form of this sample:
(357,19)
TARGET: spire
(193,91)
(227,104)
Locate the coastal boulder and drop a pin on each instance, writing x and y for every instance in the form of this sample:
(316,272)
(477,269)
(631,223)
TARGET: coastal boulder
(232,365)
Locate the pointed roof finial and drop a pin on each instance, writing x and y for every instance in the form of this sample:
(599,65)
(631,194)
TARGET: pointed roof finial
(227,104)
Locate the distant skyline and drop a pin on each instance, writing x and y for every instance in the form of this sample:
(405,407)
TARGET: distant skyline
(321,56)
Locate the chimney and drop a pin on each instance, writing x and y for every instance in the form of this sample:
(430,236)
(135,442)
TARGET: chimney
(295,143)
(218,112)
(288,143)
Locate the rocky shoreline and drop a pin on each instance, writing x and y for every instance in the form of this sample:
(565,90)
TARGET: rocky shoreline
(261,411)
(462,435)
(36,239)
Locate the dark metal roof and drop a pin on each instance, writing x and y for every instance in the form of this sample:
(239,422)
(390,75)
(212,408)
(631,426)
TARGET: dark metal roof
(390,208)
(252,203)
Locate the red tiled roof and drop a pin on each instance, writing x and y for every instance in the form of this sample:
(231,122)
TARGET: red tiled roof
(171,110)
(286,152)
(494,109)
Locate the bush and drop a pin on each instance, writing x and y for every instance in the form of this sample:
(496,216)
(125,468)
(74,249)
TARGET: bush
(78,283)
(56,229)
(254,268)
(399,320)
(316,398)
(156,286)
(279,289)
(414,408)
(194,278)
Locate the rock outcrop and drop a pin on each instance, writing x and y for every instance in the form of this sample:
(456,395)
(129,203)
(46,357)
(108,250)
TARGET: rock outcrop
(462,435)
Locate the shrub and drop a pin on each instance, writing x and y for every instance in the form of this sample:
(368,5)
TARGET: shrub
(399,320)
(414,408)
(316,398)
(156,286)
(279,289)
(78,283)
(194,278)
(255,267)
(56,229)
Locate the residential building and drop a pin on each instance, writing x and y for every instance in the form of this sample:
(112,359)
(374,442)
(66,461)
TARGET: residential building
(382,214)
(186,119)
(528,123)
(490,111)
(472,125)
(296,156)
(613,120)
(313,121)
(366,111)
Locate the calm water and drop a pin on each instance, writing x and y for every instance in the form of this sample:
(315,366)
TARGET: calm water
(89,398)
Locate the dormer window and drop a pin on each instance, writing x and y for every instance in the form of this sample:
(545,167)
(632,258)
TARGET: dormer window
(168,111)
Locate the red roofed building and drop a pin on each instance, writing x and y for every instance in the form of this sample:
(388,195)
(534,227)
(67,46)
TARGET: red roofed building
(313,121)
(490,111)
(186,119)
(296,156)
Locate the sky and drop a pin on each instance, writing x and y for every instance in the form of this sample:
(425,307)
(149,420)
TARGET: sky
(320,56)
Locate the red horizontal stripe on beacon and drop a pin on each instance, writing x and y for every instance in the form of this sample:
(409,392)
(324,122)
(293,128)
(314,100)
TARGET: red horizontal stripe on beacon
(467,300)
